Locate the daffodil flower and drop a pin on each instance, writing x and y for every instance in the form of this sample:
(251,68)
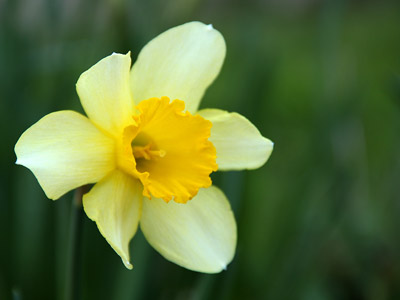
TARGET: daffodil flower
(149,154)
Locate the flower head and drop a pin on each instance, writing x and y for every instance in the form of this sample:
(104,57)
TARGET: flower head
(149,151)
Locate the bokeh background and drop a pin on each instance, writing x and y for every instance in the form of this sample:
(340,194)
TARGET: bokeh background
(321,79)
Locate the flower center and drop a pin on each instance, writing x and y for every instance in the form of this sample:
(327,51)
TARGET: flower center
(168,150)
(143,147)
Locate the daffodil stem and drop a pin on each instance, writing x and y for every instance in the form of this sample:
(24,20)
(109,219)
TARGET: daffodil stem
(73,275)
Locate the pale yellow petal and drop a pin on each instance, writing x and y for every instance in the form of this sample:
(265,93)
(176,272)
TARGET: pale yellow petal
(114,204)
(64,150)
(179,63)
(238,142)
(199,235)
(105,93)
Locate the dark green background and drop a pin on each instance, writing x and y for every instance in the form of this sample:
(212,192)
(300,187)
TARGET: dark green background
(321,79)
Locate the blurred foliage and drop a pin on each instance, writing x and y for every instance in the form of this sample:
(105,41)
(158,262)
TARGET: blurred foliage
(320,78)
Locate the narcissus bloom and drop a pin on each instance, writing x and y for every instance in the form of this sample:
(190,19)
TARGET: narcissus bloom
(149,154)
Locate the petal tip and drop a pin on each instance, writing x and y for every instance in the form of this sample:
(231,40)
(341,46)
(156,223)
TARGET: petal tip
(224,266)
(210,27)
(127,264)
(128,54)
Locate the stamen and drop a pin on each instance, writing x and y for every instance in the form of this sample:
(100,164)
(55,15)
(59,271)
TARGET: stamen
(146,152)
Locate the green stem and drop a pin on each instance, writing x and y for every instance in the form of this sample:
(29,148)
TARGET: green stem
(73,274)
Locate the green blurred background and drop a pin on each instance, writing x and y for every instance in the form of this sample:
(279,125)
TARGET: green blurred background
(321,79)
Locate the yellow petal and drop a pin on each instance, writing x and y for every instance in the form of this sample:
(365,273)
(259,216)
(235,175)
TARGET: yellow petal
(172,147)
(64,150)
(105,93)
(238,142)
(199,235)
(179,63)
(114,204)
